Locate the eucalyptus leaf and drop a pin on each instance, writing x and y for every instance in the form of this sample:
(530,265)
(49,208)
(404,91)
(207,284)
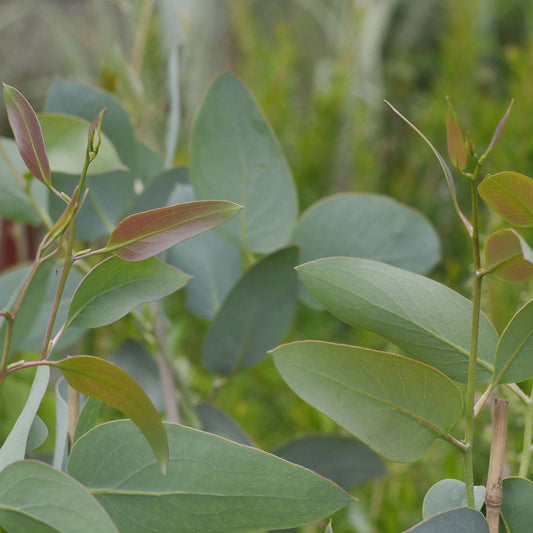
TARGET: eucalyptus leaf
(35,497)
(37,435)
(216,421)
(369,392)
(235,156)
(61,444)
(212,484)
(449,494)
(88,417)
(114,287)
(462,520)
(516,509)
(255,316)
(426,319)
(454,137)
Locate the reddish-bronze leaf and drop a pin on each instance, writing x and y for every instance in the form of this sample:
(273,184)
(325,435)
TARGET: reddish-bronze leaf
(28,133)
(456,144)
(146,234)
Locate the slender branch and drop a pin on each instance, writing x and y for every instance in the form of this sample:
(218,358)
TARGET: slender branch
(5,351)
(528,434)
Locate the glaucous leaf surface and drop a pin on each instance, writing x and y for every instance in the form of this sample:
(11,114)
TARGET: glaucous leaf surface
(61,445)
(454,137)
(449,494)
(235,156)
(36,498)
(114,287)
(514,355)
(28,133)
(369,392)
(14,204)
(346,461)
(517,510)
(66,142)
(146,234)
(14,447)
(510,256)
(255,316)
(426,319)
(213,485)
(510,194)
(37,436)
(88,417)
(214,263)
(107,382)
(462,520)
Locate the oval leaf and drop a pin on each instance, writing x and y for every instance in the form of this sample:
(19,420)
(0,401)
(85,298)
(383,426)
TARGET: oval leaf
(462,520)
(449,494)
(114,287)
(35,497)
(235,156)
(517,510)
(219,423)
(255,316)
(367,392)
(106,382)
(514,355)
(212,484)
(454,136)
(509,194)
(425,318)
(146,234)
(28,133)
(509,256)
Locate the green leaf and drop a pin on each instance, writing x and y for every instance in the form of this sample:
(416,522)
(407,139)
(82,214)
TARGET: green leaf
(499,128)
(146,234)
(35,497)
(445,168)
(88,417)
(235,156)
(61,445)
(14,446)
(346,461)
(449,494)
(114,287)
(509,256)
(255,316)
(516,509)
(369,392)
(454,136)
(462,520)
(106,382)
(66,141)
(425,318)
(509,194)
(212,484)
(28,133)
(219,423)
(37,435)
(329,528)
(514,355)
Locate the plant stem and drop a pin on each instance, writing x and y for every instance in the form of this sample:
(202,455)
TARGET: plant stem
(476,310)
(528,433)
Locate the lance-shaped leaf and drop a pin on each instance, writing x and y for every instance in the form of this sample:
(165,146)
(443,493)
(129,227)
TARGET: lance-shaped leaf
(369,392)
(499,128)
(449,494)
(114,287)
(212,484)
(35,497)
(37,436)
(454,136)
(425,318)
(104,381)
(510,194)
(514,355)
(461,520)
(28,133)
(517,511)
(146,234)
(445,168)
(509,256)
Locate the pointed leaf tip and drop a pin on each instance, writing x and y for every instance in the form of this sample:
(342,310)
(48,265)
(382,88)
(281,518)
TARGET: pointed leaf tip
(28,133)
(454,136)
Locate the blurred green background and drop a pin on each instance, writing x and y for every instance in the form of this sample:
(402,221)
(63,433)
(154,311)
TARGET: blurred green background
(320,70)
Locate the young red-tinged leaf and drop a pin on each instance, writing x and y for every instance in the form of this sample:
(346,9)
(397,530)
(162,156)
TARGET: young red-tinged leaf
(454,136)
(104,381)
(510,194)
(94,134)
(28,133)
(509,255)
(146,234)
(499,128)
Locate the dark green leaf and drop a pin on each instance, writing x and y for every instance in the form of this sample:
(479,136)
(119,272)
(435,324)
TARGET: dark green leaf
(88,417)
(212,484)
(235,156)
(369,392)
(255,316)
(462,520)
(517,510)
(114,287)
(449,494)
(219,423)
(426,319)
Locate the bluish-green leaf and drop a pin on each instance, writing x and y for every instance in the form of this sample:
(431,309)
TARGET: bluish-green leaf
(255,316)
(36,498)
(426,319)
(369,392)
(114,287)
(219,423)
(449,494)
(37,436)
(61,431)
(462,520)
(213,485)
(235,156)
(516,509)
